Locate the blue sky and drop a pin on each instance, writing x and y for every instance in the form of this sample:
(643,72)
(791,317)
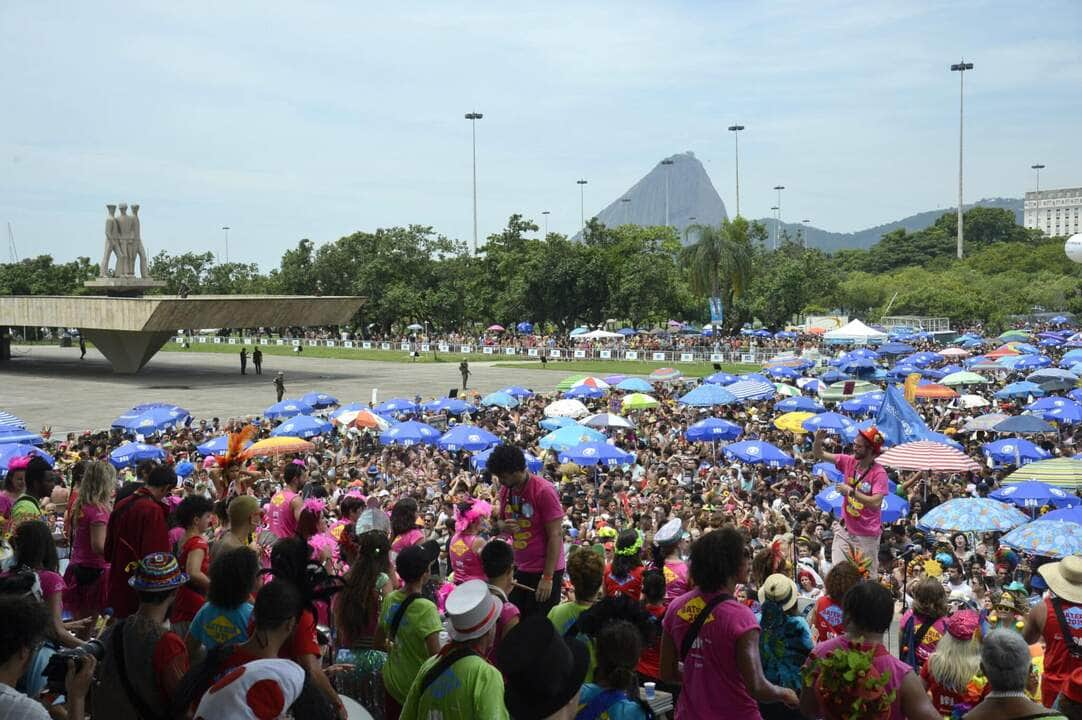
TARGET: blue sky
(317,119)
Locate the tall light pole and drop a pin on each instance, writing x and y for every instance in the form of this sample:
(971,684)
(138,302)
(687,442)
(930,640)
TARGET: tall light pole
(582,205)
(960,68)
(668,164)
(735,130)
(1037,200)
(546,214)
(805,222)
(777,235)
(775,211)
(473,117)
(627,204)
(226,229)
(691,222)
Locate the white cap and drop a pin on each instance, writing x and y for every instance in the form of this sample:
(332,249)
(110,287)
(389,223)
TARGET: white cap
(669,532)
(472,610)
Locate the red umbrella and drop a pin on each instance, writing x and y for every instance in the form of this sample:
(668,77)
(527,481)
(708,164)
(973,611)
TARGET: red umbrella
(928,455)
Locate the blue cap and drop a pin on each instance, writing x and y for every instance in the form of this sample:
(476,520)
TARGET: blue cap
(184,469)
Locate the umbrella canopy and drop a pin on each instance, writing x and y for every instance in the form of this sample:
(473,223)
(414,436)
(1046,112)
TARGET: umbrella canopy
(348,407)
(665,374)
(1052,373)
(964,378)
(798,404)
(499,399)
(1050,402)
(10,451)
(864,404)
(752,389)
(973,401)
(1014,451)
(787,390)
(585,391)
(793,421)
(1023,425)
(829,421)
(415,326)
(638,401)
(973,515)
(524,327)
(133,453)
(591,381)
(9,420)
(10,434)
(721,378)
(567,408)
(895,348)
(757,452)
(614,380)
(607,420)
(596,453)
(569,382)
(837,391)
(893,509)
(634,385)
(1061,472)
(928,455)
(217,446)
(984,422)
(363,419)
(302,426)
(517,391)
(1067,415)
(151,419)
(467,437)
(712,430)
(1034,494)
(409,433)
(1014,335)
(319,400)
(1046,538)
(449,405)
(1032,362)
(272,447)
(570,436)
(829,471)
(598,335)
(783,373)
(396,405)
(1019,390)
(555,423)
(287,409)
(932,391)
(495,328)
(1067,514)
(708,395)
(479,461)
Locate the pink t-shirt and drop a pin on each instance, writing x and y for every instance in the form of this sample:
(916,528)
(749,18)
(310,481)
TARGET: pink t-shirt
(283,522)
(883,661)
(81,554)
(931,638)
(864,521)
(508,613)
(533,505)
(676,579)
(403,541)
(712,679)
(51,583)
(466,562)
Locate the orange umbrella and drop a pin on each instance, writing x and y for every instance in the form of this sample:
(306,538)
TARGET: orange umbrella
(1002,351)
(362,419)
(817,330)
(933,391)
(278,446)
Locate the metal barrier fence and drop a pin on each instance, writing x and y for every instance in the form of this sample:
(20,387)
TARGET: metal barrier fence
(493,352)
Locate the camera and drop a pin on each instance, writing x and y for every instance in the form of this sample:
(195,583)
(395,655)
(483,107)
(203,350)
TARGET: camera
(56,670)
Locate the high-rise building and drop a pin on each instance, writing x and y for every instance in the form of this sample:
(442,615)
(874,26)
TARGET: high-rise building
(1057,212)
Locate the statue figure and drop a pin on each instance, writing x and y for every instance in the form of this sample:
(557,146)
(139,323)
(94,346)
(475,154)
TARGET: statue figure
(125,262)
(112,242)
(137,248)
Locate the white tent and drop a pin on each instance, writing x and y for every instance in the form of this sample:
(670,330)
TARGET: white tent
(598,335)
(854,332)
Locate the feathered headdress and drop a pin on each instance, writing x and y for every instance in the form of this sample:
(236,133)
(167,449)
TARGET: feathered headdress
(1006,556)
(315,505)
(477,509)
(777,557)
(234,450)
(862,562)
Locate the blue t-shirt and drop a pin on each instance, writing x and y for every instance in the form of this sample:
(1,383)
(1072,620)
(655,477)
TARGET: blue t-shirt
(622,709)
(213,626)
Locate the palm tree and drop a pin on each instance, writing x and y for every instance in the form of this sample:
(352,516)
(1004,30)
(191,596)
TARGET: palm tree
(719,263)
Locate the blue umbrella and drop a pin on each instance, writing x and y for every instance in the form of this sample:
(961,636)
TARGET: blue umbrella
(783,373)
(596,453)
(1019,390)
(9,434)
(585,391)
(409,433)
(752,390)
(970,514)
(831,421)
(635,384)
(628,331)
(1050,402)
(758,377)
(555,423)
(524,327)
(134,453)
(708,395)
(467,437)
(893,508)
(1014,451)
(1023,424)
(718,378)
(1046,538)
(396,406)
(827,470)
(517,391)
(863,404)
(757,452)
(922,359)
(1068,415)
(903,369)
(319,400)
(10,451)
(151,419)
(1034,494)
(499,399)
(479,461)
(812,386)
(217,446)
(1032,362)
(9,420)
(287,409)
(349,407)
(798,404)
(570,436)
(895,348)
(1072,513)
(1076,395)
(302,426)
(833,376)
(713,429)
(1052,373)
(451,406)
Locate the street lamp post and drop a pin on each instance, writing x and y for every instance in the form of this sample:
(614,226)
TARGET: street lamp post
(691,222)
(668,164)
(1037,200)
(546,214)
(805,222)
(226,229)
(626,202)
(473,117)
(735,130)
(960,68)
(582,205)
(775,211)
(777,236)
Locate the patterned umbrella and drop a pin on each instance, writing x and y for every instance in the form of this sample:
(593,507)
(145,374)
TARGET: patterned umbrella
(396,405)
(722,378)
(363,418)
(787,390)
(566,408)
(569,382)
(134,453)
(752,389)
(7,418)
(928,455)
(302,426)
(11,451)
(597,453)
(798,404)
(569,436)
(319,400)
(467,437)
(277,446)
(449,405)
(1061,472)
(1014,451)
(708,395)
(585,391)
(831,421)
(973,515)
(1048,538)
(665,374)
(591,381)
(287,409)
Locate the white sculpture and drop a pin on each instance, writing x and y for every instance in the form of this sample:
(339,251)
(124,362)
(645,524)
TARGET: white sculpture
(112,241)
(123,239)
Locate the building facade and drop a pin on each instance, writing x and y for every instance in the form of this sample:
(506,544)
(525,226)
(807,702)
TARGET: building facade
(1056,212)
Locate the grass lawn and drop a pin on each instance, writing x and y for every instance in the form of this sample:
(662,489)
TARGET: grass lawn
(631,367)
(337,353)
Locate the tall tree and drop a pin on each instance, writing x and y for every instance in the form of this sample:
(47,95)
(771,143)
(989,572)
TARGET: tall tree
(720,262)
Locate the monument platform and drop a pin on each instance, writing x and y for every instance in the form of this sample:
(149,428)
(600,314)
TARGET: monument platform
(130,330)
(124,286)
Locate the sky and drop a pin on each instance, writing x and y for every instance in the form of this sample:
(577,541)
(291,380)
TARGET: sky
(286,120)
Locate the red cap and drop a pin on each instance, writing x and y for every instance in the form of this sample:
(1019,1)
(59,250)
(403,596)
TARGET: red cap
(874,438)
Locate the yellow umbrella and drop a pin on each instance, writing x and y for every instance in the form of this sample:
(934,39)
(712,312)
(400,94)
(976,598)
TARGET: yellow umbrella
(638,401)
(792,421)
(278,446)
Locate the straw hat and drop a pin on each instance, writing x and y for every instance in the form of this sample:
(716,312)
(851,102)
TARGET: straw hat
(472,610)
(1064,578)
(780,589)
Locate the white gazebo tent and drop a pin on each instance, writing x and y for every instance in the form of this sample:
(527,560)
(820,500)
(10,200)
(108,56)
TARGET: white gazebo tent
(855,332)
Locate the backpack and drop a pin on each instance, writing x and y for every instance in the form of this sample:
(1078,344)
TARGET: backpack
(910,640)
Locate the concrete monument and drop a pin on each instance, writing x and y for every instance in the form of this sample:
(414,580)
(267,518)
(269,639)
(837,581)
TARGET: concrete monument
(124,241)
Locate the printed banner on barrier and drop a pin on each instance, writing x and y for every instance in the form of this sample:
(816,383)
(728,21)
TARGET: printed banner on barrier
(716,313)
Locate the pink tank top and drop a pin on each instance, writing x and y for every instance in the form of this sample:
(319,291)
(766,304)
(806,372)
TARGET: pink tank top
(282,521)
(466,562)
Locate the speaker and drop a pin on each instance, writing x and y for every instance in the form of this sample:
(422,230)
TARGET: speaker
(452,393)
(717,367)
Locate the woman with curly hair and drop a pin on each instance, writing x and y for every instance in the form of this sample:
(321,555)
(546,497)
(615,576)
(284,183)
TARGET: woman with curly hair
(356,619)
(467,543)
(922,626)
(827,620)
(623,576)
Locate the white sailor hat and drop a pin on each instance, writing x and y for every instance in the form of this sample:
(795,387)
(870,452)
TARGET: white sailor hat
(669,532)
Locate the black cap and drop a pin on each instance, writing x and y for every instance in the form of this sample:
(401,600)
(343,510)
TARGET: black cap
(532,644)
(412,562)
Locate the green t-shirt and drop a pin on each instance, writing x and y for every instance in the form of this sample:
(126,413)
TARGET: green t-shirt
(471,688)
(408,650)
(562,617)
(24,510)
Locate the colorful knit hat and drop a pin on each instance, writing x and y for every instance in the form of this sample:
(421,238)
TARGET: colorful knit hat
(157,572)
(963,624)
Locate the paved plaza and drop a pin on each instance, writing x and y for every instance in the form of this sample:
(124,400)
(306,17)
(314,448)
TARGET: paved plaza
(50,386)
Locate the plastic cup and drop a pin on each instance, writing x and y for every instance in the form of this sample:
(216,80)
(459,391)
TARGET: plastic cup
(650,690)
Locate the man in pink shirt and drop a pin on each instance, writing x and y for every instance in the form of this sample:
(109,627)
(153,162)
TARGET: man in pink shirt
(531,516)
(864,485)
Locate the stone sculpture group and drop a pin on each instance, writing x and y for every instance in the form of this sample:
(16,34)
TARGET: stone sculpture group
(123,239)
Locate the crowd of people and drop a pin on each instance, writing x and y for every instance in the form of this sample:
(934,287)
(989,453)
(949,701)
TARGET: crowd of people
(353,571)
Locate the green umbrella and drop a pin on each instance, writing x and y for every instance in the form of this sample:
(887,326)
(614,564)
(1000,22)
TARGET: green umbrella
(1061,472)
(639,401)
(787,390)
(964,377)
(1014,335)
(837,392)
(569,382)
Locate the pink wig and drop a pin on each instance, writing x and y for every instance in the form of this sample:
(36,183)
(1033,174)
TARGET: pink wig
(478,509)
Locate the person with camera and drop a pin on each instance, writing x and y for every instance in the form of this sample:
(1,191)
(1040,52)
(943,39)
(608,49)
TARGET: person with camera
(26,622)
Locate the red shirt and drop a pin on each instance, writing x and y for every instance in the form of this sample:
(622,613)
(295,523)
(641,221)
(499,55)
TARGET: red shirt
(1058,663)
(189,600)
(136,529)
(630,585)
(827,620)
(303,640)
(650,659)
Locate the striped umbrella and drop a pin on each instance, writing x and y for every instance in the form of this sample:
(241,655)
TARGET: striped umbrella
(7,418)
(973,515)
(752,389)
(664,374)
(592,382)
(1061,472)
(364,419)
(928,455)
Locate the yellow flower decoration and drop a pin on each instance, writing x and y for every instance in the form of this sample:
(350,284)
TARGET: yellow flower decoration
(933,569)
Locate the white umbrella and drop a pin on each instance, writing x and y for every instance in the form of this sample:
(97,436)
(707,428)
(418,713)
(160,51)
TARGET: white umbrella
(984,422)
(608,420)
(598,335)
(566,408)
(973,401)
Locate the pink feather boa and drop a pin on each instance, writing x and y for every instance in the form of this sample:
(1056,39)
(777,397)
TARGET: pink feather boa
(479,509)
